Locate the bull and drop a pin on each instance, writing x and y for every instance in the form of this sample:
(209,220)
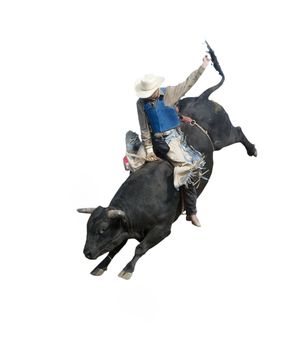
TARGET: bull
(147,204)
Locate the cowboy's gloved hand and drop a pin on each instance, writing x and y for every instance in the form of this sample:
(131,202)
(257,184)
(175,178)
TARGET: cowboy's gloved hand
(206,61)
(150,155)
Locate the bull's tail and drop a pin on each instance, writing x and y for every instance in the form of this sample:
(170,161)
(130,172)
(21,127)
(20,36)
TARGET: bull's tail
(217,67)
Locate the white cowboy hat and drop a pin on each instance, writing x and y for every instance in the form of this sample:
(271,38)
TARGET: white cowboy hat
(146,86)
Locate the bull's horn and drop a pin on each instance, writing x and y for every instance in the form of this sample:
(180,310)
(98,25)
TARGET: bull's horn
(86,210)
(116,214)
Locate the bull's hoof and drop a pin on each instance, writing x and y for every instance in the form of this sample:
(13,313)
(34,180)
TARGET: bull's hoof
(252,152)
(125,275)
(97,272)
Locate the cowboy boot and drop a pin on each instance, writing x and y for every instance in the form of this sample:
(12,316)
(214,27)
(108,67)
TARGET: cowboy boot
(190,197)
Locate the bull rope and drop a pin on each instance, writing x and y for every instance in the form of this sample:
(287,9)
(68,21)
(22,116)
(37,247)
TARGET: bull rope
(194,123)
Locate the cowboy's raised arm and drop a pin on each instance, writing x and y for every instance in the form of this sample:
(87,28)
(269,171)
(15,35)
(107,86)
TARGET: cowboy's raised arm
(174,93)
(145,131)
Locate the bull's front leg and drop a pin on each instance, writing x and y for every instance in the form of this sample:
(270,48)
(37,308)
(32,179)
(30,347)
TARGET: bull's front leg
(102,267)
(153,237)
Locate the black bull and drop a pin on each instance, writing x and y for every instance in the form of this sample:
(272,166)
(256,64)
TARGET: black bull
(147,204)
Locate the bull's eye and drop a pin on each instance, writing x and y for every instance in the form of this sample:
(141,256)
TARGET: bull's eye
(100,229)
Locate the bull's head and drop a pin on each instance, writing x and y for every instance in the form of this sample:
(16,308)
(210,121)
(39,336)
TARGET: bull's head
(106,229)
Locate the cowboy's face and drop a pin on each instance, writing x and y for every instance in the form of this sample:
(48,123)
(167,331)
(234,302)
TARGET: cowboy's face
(154,96)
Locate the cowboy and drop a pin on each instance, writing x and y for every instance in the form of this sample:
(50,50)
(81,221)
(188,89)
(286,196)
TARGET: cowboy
(159,124)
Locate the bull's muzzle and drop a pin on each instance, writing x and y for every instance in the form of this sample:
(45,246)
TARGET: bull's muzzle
(88,254)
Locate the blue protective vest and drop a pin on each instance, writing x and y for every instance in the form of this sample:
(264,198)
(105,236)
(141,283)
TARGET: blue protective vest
(160,116)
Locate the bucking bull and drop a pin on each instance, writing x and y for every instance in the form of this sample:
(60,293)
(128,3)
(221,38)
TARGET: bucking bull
(145,210)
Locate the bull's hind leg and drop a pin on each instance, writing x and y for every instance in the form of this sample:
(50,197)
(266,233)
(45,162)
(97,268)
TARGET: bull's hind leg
(237,135)
(152,238)
(102,267)
(240,137)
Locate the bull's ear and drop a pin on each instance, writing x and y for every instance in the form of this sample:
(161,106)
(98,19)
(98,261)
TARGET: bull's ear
(86,210)
(116,214)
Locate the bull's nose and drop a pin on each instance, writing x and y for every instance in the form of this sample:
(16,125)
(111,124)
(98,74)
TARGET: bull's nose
(88,254)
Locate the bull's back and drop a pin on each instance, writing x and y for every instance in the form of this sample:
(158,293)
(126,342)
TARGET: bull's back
(209,114)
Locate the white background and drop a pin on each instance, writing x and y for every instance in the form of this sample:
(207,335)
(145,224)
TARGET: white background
(67,75)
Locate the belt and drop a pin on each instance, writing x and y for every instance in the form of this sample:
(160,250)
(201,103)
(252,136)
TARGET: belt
(165,133)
